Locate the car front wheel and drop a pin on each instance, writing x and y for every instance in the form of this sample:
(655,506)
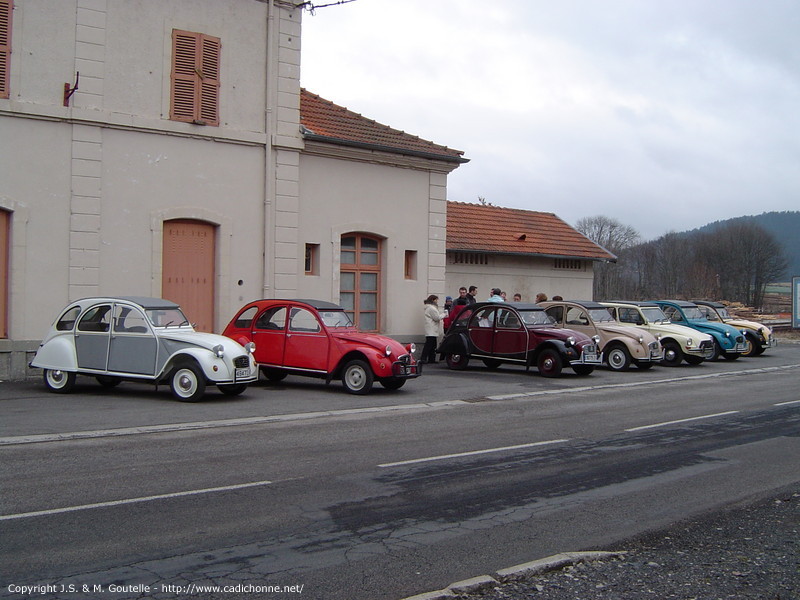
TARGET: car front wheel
(187,383)
(618,357)
(549,363)
(60,382)
(393,383)
(673,356)
(357,377)
(457,362)
(232,389)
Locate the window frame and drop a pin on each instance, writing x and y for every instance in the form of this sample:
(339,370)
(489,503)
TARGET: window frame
(195,78)
(6,17)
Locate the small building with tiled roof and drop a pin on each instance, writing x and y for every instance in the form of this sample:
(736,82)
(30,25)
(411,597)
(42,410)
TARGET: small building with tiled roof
(371,216)
(519,251)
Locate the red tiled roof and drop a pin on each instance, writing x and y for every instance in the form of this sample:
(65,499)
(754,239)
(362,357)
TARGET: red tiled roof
(494,229)
(323,120)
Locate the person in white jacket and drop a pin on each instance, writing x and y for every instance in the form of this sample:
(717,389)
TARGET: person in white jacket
(433,328)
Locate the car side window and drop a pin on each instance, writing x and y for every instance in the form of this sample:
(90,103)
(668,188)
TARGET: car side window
(630,315)
(483,317)
(96,319)
(556,312)
(673,314)
(67,320)
(245,318)
(507,319)
(129,320)
(303,321)
(273,318)
(576,316)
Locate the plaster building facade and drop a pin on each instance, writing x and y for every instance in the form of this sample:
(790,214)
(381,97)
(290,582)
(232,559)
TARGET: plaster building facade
(155,148)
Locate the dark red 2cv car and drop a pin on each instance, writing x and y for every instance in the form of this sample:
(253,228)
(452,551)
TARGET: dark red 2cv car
(315,338)
(520,334)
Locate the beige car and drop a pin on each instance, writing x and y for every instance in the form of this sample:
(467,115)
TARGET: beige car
(621,345)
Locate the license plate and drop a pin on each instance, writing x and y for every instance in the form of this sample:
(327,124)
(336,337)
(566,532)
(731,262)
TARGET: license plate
(588,356)
(242,373)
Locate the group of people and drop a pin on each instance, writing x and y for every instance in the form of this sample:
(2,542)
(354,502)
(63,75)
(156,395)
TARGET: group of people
(437,321)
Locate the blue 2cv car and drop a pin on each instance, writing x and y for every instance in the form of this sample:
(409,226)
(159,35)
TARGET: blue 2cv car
(729,342)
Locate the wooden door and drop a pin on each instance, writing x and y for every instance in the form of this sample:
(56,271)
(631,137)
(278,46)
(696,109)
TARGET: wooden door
(188,260)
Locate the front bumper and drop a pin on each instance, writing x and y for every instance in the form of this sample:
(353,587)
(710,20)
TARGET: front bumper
(706,350)
(404,368)
(589,356)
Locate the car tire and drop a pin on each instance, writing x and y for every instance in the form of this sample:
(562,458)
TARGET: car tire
(392,383)
(549,363)
(107,381)
(695,360)
(644,366)
(583,369)
(187,382)
(273,374)
(673,356)
(457,362)
(232,389)
(60,382)
(753,345)
(357,377)
(731,355)
(492,363)
(617,357)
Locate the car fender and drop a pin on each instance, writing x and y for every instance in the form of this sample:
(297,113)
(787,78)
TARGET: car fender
(57,353)
(203,358)
(554,344)
(365,353)
(454,344)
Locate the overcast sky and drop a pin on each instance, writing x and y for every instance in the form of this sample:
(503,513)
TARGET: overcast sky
(663,114)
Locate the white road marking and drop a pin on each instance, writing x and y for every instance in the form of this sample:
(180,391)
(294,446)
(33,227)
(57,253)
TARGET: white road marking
(787,403)
(472,453)
(58,511)
(665,423)
(608,386)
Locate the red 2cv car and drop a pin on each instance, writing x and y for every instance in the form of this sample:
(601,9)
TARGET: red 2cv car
(315,338)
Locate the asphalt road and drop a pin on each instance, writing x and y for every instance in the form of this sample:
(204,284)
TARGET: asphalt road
(301,490)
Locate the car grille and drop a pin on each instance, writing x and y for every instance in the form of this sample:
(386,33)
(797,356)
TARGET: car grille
(404,359)
(707,344)
(740,339)
(241,362)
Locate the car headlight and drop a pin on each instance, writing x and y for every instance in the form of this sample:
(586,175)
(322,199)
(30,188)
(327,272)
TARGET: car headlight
(250,347)
(218,350)
(727,334)
(596,339)
(411,348)
(689,343)
(641,339)
(570,341)
(388,350)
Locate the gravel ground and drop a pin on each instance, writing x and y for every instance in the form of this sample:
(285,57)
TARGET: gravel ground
(746,552)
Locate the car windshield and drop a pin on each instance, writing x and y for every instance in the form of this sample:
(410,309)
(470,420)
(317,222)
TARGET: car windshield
(693,313)
(167,317)
(536,317)
(335,318)
(654,314)
(724,314)
(601,315)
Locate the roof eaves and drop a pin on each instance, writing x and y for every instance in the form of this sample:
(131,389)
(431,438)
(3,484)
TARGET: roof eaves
(310,135)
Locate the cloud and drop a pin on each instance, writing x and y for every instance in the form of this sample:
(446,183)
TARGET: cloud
(663,115)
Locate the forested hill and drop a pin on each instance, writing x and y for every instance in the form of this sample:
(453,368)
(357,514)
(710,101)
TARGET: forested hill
(785,226)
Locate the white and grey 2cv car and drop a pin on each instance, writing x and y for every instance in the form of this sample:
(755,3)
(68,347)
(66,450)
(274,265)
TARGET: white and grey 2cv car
(140,339)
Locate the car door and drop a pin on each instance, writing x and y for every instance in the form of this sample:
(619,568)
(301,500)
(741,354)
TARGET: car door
(577,319)
(510,335)
(133,347)
(481,330)
(269,335)
(307,342)
(92,336)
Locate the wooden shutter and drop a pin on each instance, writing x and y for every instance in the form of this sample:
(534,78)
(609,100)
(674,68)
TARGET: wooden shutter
(195,78)
(6,7)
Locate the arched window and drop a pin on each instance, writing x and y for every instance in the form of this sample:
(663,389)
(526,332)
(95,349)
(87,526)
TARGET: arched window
(360,277)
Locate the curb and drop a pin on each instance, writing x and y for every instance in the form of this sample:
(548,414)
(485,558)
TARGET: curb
(536,567)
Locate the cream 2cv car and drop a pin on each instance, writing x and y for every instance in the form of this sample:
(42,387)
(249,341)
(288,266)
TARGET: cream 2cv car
(141,339)
(678,342)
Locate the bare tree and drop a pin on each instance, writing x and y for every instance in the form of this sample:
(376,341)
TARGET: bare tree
(614,237)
